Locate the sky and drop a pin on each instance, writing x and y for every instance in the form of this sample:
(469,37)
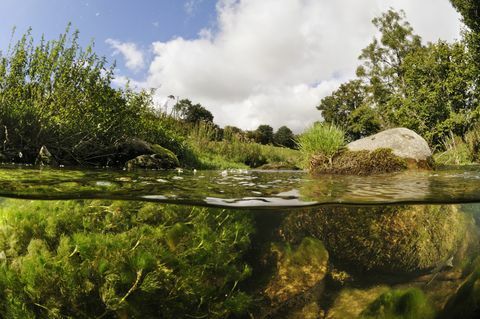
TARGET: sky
(249,62)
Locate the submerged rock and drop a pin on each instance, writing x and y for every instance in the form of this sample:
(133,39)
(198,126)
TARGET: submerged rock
(403,142)
(298,269)
(392,239)
(45,158)
(350,302)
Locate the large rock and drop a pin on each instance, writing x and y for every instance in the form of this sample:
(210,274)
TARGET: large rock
(403,240)
(162,159)
(403,142)
(136,153)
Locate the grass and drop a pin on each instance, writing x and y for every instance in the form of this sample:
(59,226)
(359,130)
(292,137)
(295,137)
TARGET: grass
(234,151)
(321,139)
(457,152)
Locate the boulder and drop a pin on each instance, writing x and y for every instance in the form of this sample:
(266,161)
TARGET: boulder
(162,159)
(45,158)
(137,153)
(403,142)
(401,240)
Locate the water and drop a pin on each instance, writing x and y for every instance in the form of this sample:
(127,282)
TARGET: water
(238,244)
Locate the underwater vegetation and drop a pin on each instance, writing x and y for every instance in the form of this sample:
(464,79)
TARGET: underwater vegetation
(84,259)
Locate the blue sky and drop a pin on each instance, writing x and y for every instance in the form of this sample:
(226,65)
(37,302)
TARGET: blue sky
(249,62)
(141,22)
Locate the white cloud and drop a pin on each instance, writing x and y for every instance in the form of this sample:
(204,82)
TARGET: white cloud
(271,61)
(134,59)
(191,5)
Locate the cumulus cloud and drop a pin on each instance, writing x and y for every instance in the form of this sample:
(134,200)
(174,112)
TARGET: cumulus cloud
(271,61)
(134,59)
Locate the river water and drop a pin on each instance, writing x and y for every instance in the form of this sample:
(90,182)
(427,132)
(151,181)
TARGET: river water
(238,244)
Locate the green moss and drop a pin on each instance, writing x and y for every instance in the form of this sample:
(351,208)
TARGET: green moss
(347,162)
(400,304)
(299,268)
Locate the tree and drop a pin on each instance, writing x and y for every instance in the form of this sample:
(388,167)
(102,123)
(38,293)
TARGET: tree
(470,11)
(196,113)
(337,107)
(382,68)
(264,134)
(284,137)
(192,113)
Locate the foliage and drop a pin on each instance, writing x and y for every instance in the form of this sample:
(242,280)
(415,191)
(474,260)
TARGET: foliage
(234,151)
(263,134)
(472,139)
(108,259)
(431,89)
(284,137)
(57,94)
(321,139)
(192,113)
(456,152)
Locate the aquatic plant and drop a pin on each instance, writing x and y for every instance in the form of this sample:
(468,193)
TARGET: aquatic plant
(106,259)
(320,140)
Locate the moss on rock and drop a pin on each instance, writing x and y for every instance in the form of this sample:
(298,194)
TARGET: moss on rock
(390,239)
(348,162)
(400,304)
(298,269)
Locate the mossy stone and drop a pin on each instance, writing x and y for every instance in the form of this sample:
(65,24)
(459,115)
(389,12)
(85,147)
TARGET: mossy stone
(298,269)
(388,239)
(358,163)
(400,304)
(161,159)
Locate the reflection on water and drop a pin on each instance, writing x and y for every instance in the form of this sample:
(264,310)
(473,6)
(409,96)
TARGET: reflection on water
(240,188)
(111,244)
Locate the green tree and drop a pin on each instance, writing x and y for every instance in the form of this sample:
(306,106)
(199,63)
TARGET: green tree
(382,68)
(470,11)
(264,134)
(192,113)
(284,137)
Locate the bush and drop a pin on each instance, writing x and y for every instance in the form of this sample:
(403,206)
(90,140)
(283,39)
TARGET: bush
(60,95)
(321,139)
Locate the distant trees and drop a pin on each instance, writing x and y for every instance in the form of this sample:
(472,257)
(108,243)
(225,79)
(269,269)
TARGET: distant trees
(284,137)
(264,134)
